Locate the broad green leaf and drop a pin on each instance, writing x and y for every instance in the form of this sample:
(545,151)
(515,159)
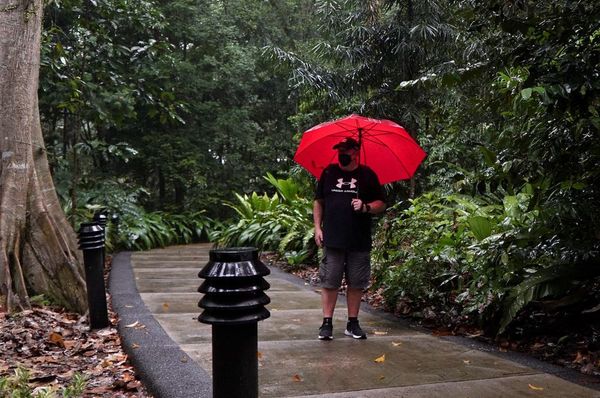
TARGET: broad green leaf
(480,226)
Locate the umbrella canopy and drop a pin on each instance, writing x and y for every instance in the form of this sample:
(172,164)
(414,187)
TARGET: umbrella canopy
(384,146)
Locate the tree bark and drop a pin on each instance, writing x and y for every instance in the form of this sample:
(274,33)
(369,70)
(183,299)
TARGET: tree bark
(38,250)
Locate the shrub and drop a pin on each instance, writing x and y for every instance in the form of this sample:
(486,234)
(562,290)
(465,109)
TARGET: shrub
(281,222)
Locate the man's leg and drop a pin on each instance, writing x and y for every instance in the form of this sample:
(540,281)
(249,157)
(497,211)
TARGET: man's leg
(353,297)
(330,272)
(353,329)
(358,276)
(328,300)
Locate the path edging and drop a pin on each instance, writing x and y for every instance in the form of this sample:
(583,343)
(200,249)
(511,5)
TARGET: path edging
(163,367)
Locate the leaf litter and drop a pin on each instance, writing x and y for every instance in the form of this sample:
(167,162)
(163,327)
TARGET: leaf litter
(54,345)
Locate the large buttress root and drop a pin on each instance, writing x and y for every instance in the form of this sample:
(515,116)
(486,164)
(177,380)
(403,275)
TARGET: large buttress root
(38,252)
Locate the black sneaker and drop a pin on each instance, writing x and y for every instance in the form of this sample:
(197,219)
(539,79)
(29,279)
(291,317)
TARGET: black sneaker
(326,331)
(353,330)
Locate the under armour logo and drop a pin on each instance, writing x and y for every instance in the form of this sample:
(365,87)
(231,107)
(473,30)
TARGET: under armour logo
(351,184)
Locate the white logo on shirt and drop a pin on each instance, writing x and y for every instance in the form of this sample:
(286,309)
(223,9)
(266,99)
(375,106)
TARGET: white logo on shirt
(351,184)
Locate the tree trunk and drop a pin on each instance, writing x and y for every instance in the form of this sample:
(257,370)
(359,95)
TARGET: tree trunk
(38,252)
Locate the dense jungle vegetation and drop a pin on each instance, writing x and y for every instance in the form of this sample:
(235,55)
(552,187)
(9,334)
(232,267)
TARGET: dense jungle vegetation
(181,118)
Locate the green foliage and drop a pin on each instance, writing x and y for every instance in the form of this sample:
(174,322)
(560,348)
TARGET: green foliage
(478,254)
(281,222)
(77,386)
(175,97)
(40,300)
(419,249)
(144,231)
(556,281)
(363,51)
(160,108)
(17,386)
(511,130)
(237,105)
(130,226)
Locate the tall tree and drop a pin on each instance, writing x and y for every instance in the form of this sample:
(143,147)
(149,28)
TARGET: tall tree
(104,69)
(38,252)
(236,126)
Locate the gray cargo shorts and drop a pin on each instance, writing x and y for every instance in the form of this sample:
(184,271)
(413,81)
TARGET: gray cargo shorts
(336,263)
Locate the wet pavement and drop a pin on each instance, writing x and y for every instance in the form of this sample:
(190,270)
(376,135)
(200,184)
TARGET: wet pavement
(155,295)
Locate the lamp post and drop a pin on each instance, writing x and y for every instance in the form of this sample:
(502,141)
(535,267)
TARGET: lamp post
(91,242)
(233,303)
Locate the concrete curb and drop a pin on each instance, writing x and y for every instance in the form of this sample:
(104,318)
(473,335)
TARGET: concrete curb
(163,367)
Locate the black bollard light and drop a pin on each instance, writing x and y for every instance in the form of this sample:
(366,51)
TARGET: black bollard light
(233,303)
(114,219)
(101,219)
(91,242)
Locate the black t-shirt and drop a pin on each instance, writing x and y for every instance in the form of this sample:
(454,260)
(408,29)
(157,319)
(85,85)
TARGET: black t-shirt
(344,228)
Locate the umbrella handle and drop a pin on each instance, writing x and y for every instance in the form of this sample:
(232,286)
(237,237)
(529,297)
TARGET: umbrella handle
(360,134)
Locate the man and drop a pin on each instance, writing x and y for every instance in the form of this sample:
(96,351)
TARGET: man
(347,195)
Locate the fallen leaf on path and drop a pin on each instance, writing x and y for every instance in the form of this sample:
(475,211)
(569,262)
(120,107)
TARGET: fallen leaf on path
(103,332)
(474,335)
(135,345)
(580,358)
(69,344)
(381,359)
(136,325)
(381,377)
(536,388)
(57,339)
(42,359)
(166,306)
(134,385)
(380,333)
(396,344)
(259,355)
(296,378)
(538,345)
(466,361)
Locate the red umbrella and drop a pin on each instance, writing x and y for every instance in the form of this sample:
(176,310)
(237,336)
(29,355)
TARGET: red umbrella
(385,147)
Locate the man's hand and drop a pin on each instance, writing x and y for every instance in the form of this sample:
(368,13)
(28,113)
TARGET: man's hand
(357,204)
(318,218)
(319,237)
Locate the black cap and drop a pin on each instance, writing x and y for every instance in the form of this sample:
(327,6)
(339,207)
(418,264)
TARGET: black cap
(347,143)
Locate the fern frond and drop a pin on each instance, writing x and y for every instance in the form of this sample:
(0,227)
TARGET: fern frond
(549,282)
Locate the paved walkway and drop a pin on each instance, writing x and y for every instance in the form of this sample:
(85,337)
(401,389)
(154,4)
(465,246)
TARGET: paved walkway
(172,350)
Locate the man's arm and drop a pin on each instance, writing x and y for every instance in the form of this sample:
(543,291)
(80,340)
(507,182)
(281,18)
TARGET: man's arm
(375,207)
(318,219)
